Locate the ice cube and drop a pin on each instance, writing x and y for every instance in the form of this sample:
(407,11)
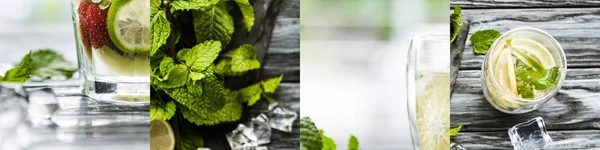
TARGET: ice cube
(251,136)
(529,135)
(456,146)
(42,104)
(281,118)
(12,116)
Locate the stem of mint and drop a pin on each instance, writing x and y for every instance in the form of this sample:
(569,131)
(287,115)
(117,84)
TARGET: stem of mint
(171,42)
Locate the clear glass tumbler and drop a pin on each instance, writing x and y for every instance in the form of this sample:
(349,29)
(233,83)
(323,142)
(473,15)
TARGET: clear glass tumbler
(428,92)
(113,45)
(504,100)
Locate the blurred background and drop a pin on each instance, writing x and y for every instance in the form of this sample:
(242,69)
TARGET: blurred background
(35,24)
(353,64)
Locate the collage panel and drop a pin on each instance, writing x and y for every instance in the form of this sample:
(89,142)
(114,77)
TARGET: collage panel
(527,74)
(225,74)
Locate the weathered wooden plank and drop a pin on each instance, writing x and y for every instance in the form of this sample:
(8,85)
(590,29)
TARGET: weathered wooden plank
(573,108)
(289,9)
(523,3)
(283,56)
(575,29)
(581,139)
(456,50)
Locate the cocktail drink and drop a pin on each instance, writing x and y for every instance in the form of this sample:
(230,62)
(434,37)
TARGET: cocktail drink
(113,45)
(523,69)
(428,91)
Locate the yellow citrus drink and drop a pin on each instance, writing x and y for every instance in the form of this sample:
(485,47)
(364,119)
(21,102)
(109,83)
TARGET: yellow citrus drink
(433,110)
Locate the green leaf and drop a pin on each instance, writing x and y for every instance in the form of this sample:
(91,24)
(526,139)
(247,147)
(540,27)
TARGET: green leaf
(525,90)
(549,79)
(454,131)
(193,4)
(155,3)
(161,30)
(270,85)
(483,39)
(310,137)
(213,24)
(455,22)
(195,88)
(214,95)
(166,65)
(46,64)
(190,137)
(230,112)
(247,12)
(176,77)
(243,59)
(160,111)
(250,94)
(352,143)
(20,73)
(202,55)
(328,143)
(269,98)
(195,76)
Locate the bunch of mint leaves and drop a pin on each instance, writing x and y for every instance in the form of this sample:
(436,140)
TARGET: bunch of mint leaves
(190,63)
(41,64)
(313,138)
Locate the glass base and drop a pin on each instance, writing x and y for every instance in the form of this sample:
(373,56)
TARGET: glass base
(117,92)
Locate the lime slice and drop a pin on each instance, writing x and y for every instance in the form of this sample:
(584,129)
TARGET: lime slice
(433,111)
(534,49)
(161,136)
(505,72)
(129,25)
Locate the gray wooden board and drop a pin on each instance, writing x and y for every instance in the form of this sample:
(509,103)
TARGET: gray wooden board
(523,3)
(575,107)
(576,29)
(581,139)
(456,51)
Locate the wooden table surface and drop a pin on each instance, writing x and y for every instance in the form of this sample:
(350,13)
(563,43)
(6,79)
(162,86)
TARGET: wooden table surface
(572,117)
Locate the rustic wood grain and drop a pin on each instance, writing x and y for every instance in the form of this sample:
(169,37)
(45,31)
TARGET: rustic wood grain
(581,139)
(523,3)
(575,107)
(576,29)
(456,51)
(283,56)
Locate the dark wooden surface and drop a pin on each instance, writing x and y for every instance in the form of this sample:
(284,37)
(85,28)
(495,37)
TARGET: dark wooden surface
(572,117)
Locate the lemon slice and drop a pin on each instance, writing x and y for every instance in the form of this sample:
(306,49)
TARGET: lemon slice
(161,136)
(505,72)
(433,111)
(536,50)
(129,25)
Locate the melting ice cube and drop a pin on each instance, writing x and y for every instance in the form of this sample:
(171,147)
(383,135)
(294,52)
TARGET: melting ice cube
(281,118)
(529,135)
(251,136)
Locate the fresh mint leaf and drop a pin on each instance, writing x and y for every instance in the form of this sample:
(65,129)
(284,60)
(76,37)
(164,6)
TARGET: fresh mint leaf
(214,95)
(46,64)
(213,24)
(155,3)
(247,12)
(525,90)
(328,143)
(195,76)
(243,59)
(455,22)
(160,111)
(20,73)
(195,88)
(310,136)
(483,39)
(353,143)
(549,79)
(202,55)
(230,112)
(270,85)
(176,77)
(161,30)
(269,98)
(183,54)
(250,94)
(454,131)
(185,5)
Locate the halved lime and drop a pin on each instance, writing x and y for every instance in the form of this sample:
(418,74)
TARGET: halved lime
(129,25)
(161,136)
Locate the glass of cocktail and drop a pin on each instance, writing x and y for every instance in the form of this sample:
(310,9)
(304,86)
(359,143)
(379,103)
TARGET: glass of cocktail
(113,45)
(428,91)
(524,68)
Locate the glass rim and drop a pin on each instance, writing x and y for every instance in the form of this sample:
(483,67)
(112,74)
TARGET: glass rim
(543,34)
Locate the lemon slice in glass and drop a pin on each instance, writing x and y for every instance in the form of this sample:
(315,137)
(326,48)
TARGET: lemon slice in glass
(129,25)
(161,136)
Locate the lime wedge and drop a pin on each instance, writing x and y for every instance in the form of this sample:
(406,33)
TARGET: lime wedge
(534,49)
(161,136)
(129,25)
(433,111)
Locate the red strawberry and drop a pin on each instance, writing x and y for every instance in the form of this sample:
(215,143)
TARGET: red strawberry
(93,24)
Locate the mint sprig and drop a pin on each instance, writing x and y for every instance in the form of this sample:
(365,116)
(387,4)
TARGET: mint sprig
(455,22)
(482,40)
(40,64)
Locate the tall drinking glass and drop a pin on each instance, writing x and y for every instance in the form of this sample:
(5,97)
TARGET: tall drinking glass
(113,45)
(428,92)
